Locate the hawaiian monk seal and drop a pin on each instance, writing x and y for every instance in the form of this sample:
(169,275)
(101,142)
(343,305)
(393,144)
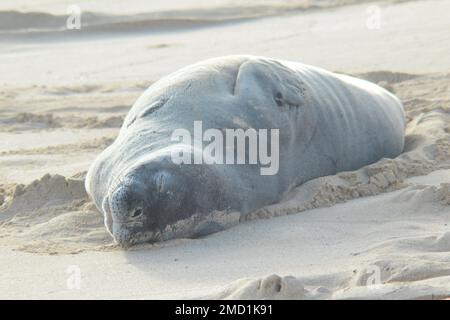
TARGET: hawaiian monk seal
(326,123)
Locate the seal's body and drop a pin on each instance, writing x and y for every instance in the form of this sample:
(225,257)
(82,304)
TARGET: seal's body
(327,123)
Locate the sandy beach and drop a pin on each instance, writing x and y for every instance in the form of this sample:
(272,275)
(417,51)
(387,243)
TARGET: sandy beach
(380,232)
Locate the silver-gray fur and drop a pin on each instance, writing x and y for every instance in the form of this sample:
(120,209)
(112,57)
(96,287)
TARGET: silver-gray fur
(328,123)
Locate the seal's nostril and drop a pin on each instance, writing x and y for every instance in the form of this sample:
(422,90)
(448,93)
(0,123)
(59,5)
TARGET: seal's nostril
(136,213)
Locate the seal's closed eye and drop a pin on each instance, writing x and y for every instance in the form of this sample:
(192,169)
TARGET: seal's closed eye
(136,213)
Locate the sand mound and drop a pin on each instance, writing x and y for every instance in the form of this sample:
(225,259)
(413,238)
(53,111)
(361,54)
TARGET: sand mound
(52,215)
(420,278)
(439,243)
(270,287)
(390,271)
(48,191)
(433,289)
(391,278)
(420,194)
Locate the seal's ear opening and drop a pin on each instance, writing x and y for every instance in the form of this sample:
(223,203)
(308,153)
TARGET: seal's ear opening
(137,212)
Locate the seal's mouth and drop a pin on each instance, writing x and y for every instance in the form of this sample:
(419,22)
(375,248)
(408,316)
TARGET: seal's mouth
(127,232)
(126,237)
(198,225)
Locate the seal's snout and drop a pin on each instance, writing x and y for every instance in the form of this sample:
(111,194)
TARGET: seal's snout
(144,203)
(127,202)
(129,212)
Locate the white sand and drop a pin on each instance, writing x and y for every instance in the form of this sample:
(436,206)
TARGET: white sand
(63,99)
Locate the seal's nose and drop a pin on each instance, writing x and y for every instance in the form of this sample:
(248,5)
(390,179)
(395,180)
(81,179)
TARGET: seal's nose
(126,202)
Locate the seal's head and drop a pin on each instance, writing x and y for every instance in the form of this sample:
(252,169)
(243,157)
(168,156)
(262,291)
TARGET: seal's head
(156,197)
